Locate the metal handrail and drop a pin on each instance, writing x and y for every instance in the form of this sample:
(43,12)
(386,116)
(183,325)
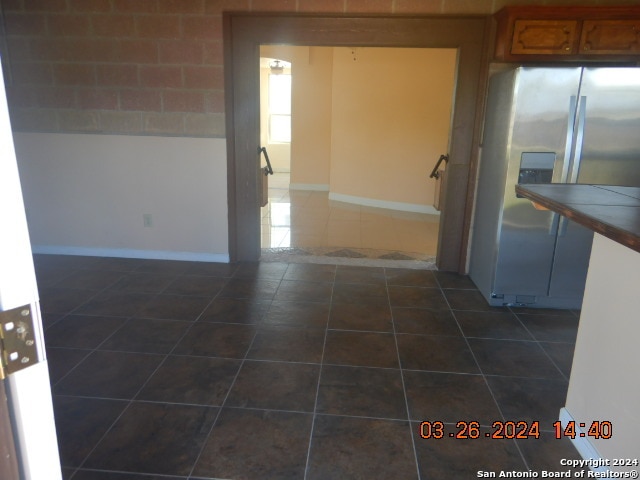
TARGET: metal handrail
(268,170)
(435,173)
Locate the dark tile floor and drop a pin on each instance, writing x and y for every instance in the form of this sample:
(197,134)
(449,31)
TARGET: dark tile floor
(180,370)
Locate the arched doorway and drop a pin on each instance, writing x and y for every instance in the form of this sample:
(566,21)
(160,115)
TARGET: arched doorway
(243,35)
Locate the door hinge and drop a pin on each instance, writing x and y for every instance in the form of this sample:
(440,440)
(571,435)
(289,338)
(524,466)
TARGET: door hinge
(17,340)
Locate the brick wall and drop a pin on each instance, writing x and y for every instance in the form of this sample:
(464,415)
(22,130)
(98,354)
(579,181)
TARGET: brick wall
(150,67)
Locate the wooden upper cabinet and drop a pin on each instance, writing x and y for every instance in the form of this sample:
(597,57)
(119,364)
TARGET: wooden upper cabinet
(568,34)
(555,37)
(605,37)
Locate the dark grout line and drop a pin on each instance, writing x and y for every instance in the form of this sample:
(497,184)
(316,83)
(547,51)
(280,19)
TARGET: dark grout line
(315,403)
(404,386)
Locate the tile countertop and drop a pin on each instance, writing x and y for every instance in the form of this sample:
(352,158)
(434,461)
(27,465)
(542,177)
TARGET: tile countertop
(612,211)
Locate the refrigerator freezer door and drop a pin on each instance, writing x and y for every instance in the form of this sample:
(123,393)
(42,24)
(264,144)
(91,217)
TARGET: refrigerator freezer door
(611,140)
(542,122)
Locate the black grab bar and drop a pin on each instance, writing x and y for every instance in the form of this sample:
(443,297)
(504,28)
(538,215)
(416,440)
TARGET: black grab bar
(435,173)
(268,170)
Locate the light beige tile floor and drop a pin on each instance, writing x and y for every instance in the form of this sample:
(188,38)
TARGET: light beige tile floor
(302,218)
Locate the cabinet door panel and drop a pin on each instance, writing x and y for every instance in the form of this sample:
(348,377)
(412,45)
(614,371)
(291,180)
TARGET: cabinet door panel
(610,37)
(557,37)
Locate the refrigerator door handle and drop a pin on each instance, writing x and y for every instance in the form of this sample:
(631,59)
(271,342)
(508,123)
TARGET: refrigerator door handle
(577,157)
(553,224)
(562,226)
(571,120)
(557,223)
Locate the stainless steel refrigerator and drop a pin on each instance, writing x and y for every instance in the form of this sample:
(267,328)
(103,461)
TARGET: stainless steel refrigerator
(548,125)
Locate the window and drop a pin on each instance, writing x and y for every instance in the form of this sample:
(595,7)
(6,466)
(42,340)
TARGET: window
(279,108)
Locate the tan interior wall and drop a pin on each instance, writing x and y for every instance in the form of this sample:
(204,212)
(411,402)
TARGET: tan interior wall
(311,117)
(390,122)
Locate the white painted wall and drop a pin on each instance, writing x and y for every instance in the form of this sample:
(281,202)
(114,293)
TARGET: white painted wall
(604,378)
(86,194)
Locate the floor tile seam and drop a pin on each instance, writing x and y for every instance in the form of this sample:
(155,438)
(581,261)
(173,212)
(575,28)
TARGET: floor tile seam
(74,311)
(520,377)
(185,275)
(287,362)
(185,295)
(366,417)
(443,372)
(142,476)
(106,432)
(55,384)
(430,287)
(90,351)
(404,387)
(372,367)
(137,352)
(484,377)
(534,311)
(90,397)
(480,370)
(263,326)
(535,336)
(168,354)
(152,297)
(408,334)
(97,348)
(75,271)
(470,289)
(552,361)
(322,364)
(222,406)
(206,307)
(524,325)
(174,403)
(188,274)
(537,342)
(476,337)
(58,280)
(308,413)
(353,330)
(209,357)
(557,342)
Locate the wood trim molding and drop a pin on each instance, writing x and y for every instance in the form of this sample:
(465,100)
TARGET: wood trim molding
(243,35)
(8,456)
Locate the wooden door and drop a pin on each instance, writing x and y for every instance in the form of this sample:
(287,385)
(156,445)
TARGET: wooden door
(27,391)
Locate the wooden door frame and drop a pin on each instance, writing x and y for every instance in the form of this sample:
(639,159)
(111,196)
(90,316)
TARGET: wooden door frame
(243,35)
(8,453)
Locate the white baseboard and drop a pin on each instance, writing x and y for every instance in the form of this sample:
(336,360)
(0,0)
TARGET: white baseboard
(316,187)
(372,202)
(131,253)
(584,447)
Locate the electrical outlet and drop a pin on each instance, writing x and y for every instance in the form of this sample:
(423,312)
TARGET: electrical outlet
(147,220)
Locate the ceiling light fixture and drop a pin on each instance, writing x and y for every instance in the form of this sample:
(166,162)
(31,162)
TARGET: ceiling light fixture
(276,67)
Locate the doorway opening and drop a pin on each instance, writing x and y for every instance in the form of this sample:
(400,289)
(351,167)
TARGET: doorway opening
(245,33)
(353,179)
